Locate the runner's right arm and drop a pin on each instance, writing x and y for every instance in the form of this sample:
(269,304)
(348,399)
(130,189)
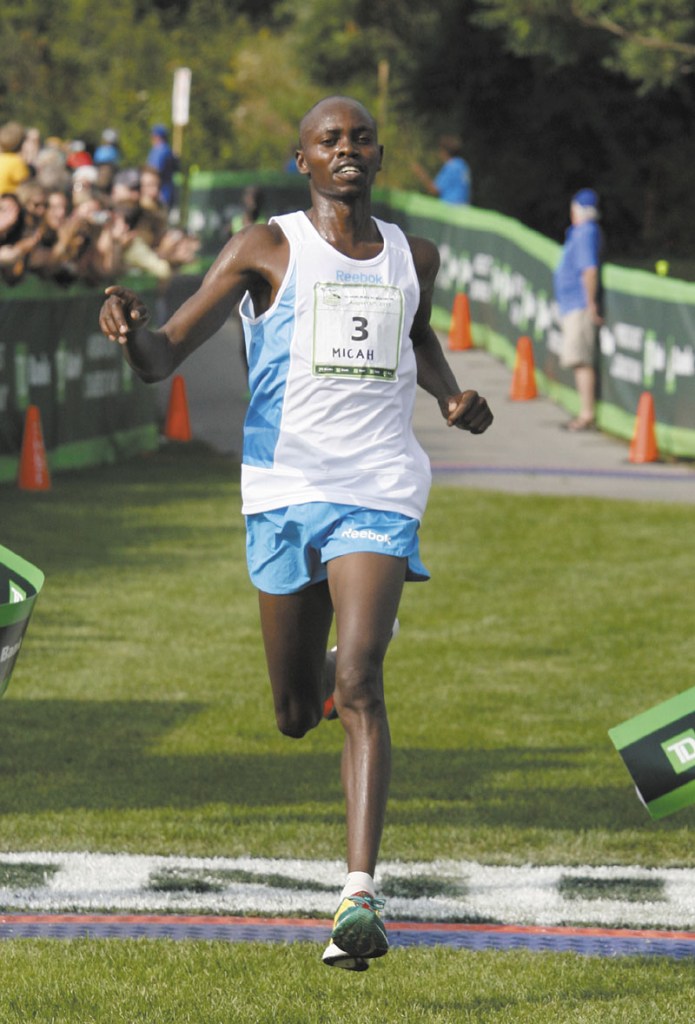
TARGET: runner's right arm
(253,260)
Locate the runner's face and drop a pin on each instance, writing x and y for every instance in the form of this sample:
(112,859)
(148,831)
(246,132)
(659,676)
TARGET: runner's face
(340,151)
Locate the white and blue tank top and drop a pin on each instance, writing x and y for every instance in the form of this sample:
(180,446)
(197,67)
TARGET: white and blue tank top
(332,377)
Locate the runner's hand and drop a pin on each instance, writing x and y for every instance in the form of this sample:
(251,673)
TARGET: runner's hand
(121,313)
(468,411)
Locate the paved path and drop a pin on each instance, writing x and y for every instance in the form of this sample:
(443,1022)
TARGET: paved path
(525,451)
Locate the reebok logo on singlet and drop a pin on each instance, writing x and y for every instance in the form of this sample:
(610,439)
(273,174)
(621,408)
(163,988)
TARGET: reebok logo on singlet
(358,277)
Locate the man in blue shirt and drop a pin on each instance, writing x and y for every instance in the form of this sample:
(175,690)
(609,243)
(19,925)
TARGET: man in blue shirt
(452,183)
(107,152)
(577,282)
(161,158)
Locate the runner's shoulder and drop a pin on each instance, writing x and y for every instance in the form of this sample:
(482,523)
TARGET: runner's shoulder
(425,257)
(259,236)
(252,248)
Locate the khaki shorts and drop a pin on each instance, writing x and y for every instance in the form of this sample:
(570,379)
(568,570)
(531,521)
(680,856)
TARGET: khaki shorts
(578,339)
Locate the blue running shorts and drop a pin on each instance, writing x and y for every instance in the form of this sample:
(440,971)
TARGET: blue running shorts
(287,548)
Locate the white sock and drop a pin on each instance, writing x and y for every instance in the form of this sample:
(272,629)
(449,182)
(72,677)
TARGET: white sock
(358,881)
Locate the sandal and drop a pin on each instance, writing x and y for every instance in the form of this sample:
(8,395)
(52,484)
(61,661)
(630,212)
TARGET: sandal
(579,424)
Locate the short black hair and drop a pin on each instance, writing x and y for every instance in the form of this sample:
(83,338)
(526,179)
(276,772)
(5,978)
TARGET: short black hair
(331,99)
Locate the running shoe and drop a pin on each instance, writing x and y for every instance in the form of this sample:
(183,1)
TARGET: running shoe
(334,956)
(358,931)
(329,711)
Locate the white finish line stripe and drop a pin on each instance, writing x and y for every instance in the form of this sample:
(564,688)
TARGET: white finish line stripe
(463,891)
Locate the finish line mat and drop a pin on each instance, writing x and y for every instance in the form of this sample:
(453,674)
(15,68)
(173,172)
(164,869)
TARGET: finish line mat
(584,941)
(439,893)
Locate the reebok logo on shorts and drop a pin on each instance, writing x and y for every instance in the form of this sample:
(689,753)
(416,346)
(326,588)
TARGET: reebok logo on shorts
(352,534)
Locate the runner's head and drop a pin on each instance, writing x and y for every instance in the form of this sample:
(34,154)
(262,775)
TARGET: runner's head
(338,145)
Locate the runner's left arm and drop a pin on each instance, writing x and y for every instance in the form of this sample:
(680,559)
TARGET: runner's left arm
(464,409)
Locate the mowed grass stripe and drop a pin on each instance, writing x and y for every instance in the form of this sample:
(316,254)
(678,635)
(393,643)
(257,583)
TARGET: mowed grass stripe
(178,982)
(139,718)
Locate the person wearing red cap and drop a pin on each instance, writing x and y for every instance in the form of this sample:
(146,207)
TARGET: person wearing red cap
(78,155)
(577,283)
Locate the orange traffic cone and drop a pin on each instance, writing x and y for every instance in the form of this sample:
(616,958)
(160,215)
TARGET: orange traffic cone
(460,329)
(177,426)
(643,447)
(33,466)
(524,376)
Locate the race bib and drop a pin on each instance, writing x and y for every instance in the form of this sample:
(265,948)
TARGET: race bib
(357,330)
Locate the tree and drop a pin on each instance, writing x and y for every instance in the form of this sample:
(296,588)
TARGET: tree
(62,67)
(548,95)
(71,71)
(271,94)
(652,42)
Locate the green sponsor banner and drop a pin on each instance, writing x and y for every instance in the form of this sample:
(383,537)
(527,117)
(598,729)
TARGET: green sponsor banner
(658,748)
(647,342)
(214,199)
(20,583)
(53,355)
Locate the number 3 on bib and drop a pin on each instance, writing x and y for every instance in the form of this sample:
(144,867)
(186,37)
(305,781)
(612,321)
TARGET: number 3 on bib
(360,332)
(357,344)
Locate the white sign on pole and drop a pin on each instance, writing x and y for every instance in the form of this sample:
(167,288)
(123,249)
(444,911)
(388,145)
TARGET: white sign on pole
(181,96)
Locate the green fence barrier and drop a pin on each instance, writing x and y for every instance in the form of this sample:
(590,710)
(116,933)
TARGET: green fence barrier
(646,344)
(20,583)
(505,268)
(94,410)
(52,355)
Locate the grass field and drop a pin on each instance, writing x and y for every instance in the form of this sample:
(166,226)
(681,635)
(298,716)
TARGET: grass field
(113,982)
(139,720)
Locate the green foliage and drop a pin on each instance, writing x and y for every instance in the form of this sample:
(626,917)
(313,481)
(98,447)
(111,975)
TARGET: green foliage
(341,44)
(265,132)
(542,91)
(71,70)
(205,41)
(62,68)
(539,27)
(649,41)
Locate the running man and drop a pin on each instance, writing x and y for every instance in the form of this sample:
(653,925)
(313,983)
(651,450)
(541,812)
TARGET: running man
(335,307)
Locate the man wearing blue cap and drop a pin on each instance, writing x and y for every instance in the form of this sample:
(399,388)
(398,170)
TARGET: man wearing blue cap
(107,152)
(161,158)
(577,282)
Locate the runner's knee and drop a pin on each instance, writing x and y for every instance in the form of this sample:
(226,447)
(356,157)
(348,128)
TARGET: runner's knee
(360,689)
(296,720)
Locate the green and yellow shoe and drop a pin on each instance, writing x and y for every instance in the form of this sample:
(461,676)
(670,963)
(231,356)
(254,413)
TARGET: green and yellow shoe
(334,956)
(358,930)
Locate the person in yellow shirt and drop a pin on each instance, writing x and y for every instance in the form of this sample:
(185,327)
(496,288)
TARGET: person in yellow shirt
(13,167)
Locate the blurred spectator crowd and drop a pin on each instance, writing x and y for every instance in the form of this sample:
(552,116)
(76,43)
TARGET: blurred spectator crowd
(68,214)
